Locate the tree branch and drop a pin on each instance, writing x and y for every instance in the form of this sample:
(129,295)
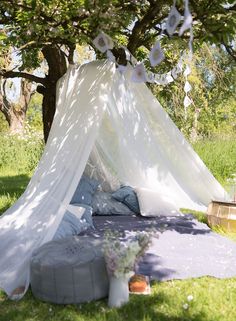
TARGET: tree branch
(230,51)
(147,21)
(15,74)
(32,44)
(4,103)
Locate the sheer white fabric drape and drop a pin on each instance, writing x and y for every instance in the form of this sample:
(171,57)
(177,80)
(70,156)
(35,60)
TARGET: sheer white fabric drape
(144,148)
(132,140)
(34,218)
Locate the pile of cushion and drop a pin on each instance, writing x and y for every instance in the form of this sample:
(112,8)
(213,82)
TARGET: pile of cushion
(89,200)
(122,202)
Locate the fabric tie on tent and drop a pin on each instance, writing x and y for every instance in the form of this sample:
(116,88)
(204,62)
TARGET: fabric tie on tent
(130,139)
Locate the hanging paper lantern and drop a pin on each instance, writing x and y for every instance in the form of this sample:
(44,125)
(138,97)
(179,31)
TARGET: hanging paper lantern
(127,53)
(174,72)
(139,73)
(156,55)
(173,20)
(157,79)
(151,77)
(177,70)
(169,77)
(163,79)
(103,42)
(187,71)
(188,19)
(187,87)
(180,66)
(133,60)
(187,101)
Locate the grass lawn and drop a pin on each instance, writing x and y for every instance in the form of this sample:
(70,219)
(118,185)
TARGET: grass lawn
(12,185)
(213,299)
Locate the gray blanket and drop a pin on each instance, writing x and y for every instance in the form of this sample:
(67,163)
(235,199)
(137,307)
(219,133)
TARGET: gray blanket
(185,247)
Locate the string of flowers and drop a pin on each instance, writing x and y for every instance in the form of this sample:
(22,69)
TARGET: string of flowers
(120,255)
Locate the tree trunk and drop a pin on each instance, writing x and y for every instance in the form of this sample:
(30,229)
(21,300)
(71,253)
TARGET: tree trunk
(56,69)
(15,119)
(17,122)
(48,107)
(15,113)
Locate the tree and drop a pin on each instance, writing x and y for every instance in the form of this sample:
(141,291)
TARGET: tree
(57,26)
(14,112)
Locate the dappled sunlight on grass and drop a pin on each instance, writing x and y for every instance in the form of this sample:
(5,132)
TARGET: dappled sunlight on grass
(200,216)
(219,156)
(222,231)
(12,185)
(212,299)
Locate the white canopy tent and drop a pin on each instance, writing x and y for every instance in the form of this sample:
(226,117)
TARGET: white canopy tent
(126,135)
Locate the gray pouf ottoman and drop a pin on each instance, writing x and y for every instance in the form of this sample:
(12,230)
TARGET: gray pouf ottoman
(70,270)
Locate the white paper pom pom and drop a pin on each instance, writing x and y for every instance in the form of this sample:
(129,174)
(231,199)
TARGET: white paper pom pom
(188,19)
(187,87)
(103,42)
(139,73)
(187,101)
(173,20)
(156,55)
(187,71)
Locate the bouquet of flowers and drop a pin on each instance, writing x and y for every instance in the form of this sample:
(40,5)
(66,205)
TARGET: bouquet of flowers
(122,255)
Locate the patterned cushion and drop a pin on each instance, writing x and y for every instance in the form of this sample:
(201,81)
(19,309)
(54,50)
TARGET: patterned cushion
(104,204)
(72,225)
(127,195)
(85,190)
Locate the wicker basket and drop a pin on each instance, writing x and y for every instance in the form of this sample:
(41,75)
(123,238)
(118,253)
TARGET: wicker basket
(222,214)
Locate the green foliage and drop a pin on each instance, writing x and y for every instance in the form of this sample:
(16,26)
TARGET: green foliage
(219,156)
(200,216)
(59,22)
(77,22)
(213,93)
(3,124)
(20,154)
(34,113)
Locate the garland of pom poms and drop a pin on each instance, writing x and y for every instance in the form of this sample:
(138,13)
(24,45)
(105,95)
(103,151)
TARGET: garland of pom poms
(105,44)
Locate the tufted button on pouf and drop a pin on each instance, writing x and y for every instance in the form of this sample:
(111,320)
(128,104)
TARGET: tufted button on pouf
(70,270)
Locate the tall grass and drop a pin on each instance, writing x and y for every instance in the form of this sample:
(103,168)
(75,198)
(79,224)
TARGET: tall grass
(18,159)
(19,154)
(219,156)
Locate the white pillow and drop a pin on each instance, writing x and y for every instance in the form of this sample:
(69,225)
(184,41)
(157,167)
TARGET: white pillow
(155,203)
(77,210)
